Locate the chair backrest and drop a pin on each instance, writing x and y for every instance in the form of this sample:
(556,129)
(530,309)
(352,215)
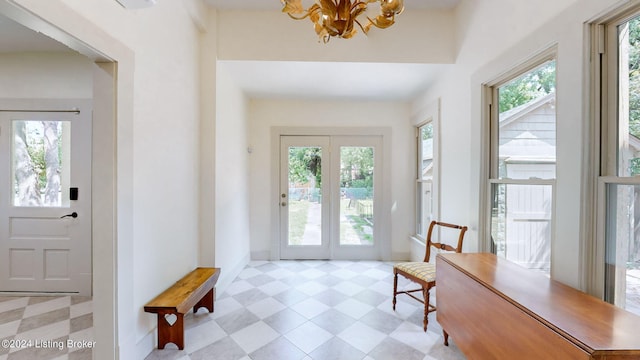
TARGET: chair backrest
(441,245)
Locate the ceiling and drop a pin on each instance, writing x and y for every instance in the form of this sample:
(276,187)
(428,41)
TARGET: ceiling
(276,79)
(331,80)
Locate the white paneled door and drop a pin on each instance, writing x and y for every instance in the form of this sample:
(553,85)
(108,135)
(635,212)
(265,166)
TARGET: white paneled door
(45,199)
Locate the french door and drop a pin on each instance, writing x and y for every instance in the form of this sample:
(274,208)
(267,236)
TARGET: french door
(45,201)
(330,197)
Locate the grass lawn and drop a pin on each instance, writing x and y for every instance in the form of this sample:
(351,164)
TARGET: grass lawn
(298,211)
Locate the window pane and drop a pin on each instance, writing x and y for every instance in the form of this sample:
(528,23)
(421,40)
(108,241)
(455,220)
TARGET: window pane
(527,125)
(629,99)
(356,203)
(622,249)
(424,207)
(424,201)
(521,224)
(426,152)
(305,196)
(41,155)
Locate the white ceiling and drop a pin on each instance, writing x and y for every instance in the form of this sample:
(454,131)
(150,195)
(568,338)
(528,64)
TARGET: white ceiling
(326,80)
(331,80)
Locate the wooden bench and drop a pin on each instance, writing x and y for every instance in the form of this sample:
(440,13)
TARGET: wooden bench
(195,290)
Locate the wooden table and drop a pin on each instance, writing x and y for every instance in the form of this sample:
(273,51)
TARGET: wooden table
(495,309)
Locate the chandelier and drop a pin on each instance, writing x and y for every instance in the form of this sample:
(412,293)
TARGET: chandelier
(339,18)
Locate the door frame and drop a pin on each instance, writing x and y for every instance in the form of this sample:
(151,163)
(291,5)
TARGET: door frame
(384,226)
(112,223)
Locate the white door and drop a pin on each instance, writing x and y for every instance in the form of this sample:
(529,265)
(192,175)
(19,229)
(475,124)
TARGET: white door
(304,197)
(329,197)
(357,165)
(45,200)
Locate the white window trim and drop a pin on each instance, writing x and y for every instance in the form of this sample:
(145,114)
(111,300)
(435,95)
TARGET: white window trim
(602,155)
(489,113)
(489,170)
(430,115)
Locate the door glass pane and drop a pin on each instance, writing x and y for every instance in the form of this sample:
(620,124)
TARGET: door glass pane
(622,248)
(305,196)
(527,125)
(41,159)
(521,224)
(356,203)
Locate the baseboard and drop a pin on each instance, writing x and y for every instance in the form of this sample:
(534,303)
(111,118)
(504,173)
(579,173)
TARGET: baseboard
(261,255)
(400,256)
(227,275)
(146,345)
(129,348)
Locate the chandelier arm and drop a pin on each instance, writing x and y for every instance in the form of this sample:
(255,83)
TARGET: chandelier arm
(357,3)
(365,31)
(374,23)
(299,18)
(360,25)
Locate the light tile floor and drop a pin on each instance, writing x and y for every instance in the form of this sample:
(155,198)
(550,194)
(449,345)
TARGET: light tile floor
(338,310)
(46,328)
(334,310)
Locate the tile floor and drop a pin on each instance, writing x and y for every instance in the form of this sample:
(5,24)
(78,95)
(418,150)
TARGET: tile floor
(45,328)
(337,310)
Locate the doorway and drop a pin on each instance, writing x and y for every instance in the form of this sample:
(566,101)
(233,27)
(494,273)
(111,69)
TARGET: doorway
(330,197)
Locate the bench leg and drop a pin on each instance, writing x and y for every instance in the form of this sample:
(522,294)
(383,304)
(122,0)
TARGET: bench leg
(206,301)
(168,333)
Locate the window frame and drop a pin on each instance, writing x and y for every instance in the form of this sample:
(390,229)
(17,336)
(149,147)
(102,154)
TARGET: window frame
(420,230)
(604,162)
(491,148)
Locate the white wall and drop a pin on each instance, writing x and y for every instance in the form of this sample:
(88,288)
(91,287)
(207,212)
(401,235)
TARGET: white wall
(158,148)
(272,35)
(45,76)
(495,37)
(265,114)
(166,154)
(232,179)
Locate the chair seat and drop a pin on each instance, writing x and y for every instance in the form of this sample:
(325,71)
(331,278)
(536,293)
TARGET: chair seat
(423,273)
(421,270)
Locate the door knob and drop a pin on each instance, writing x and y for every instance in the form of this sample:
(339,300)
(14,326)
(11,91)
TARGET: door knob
(73,215)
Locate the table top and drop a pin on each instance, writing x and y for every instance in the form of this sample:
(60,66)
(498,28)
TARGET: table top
(574,314)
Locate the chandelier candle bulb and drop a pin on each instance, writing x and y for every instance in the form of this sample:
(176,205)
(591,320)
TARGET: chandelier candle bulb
(338,18)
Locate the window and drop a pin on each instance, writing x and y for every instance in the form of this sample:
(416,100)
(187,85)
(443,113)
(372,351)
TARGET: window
(523,164)
(618,241)
(425,180)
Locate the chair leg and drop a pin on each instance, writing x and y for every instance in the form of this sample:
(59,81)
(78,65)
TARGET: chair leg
(395,289)
(426,307)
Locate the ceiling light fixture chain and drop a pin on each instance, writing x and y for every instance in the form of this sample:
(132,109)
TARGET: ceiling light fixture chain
(337,18)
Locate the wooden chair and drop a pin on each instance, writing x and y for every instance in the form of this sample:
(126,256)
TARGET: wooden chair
(424,273)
